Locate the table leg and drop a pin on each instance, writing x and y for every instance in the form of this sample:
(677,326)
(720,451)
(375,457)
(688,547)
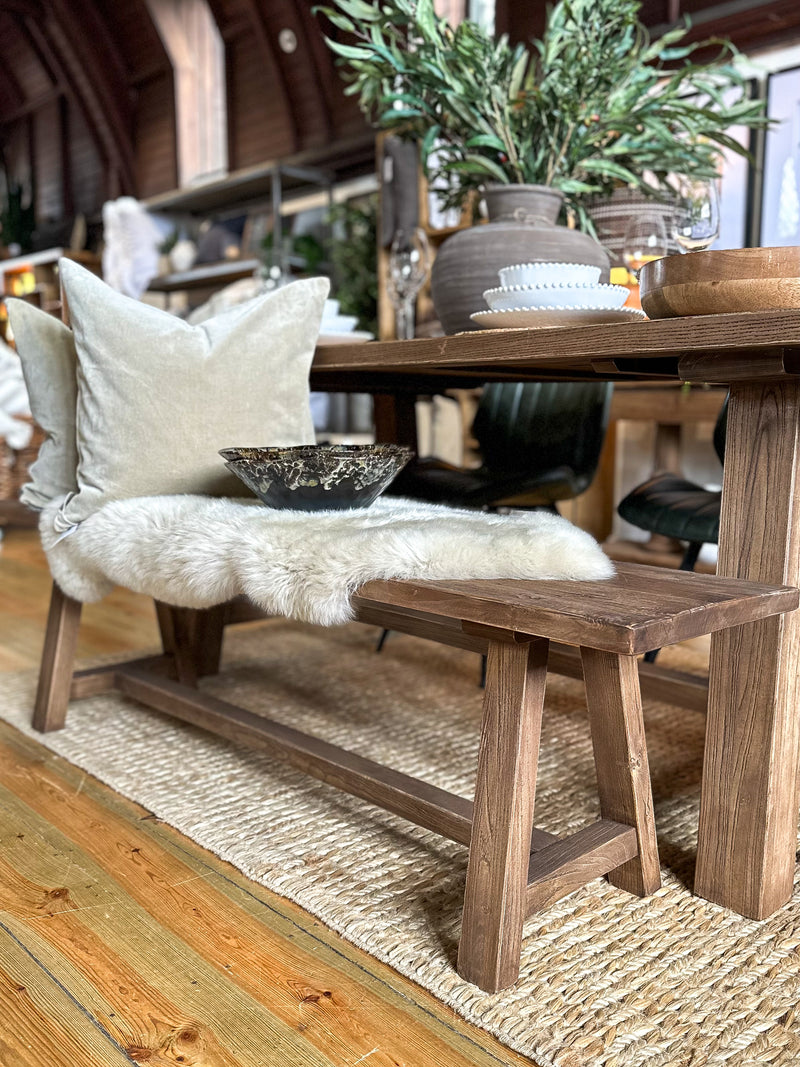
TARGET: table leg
(749,805)
(396,419)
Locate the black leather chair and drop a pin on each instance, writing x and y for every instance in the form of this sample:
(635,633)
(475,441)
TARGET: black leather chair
(675,507)
(539,441)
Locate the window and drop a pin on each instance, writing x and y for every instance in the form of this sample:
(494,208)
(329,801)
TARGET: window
(194,45)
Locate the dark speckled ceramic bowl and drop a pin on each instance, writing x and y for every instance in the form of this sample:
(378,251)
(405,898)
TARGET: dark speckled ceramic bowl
(317,477)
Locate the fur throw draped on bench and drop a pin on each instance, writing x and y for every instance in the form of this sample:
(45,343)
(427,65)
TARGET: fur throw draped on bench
(193,551)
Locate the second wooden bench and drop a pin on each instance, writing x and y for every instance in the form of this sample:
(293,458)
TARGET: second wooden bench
(513,868)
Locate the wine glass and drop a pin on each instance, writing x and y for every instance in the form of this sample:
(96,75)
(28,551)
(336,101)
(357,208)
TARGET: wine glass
(645,240)
(696,218)
(409,261)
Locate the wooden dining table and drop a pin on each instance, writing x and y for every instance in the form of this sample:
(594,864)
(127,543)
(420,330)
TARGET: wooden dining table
(751,771)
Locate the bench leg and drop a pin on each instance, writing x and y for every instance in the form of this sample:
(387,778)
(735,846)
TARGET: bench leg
(497,871)
(193,637)
(165,627)
(209,632)
(620,754)
(58,660)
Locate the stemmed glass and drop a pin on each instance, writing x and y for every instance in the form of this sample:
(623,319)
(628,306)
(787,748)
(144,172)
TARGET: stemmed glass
(645,240)
(696,218)
(409,262)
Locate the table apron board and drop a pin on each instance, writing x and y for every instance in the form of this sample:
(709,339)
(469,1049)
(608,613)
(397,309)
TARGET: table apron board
(718,368)
(731,347)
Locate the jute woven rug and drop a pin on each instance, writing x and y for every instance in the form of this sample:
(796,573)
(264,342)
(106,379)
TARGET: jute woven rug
(607,979)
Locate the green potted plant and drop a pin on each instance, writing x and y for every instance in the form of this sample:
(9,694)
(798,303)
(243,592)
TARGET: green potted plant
(591,106)
(354,271)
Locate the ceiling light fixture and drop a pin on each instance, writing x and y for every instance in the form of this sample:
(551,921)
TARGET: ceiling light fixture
(287,40)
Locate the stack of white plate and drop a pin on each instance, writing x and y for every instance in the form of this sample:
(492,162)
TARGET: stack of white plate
(554,294)
(336,328)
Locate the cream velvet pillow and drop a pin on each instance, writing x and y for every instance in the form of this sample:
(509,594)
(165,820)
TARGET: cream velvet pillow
(158,398)
(46,350)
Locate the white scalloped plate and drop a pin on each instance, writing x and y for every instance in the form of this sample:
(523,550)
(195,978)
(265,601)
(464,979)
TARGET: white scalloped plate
(592,295)
(351,337)
(538,318)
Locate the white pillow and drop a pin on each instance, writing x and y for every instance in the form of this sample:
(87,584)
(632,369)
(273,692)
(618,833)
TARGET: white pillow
(157,398)
(46,349)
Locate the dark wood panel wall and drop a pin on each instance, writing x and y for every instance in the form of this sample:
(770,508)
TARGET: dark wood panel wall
(86,166)
(285,95)
(154,136)
(87,107)
(259,123)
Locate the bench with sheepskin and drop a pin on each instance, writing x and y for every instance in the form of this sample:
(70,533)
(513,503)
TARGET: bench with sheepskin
(136,404)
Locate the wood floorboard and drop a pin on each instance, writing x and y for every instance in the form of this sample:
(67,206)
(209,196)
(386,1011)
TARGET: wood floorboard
(143,947)
(41,1022)
(152,991)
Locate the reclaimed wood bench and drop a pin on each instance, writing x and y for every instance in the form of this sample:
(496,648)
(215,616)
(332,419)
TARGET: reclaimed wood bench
(513,868)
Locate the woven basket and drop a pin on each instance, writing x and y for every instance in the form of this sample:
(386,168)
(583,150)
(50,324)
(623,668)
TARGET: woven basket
(15,462)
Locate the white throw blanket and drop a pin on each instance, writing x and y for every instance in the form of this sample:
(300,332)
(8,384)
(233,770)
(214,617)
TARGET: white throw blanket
(194,551)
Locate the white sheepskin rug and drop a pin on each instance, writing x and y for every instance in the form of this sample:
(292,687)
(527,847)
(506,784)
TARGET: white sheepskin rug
(194,551)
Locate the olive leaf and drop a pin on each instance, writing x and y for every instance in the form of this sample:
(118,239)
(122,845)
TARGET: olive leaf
(592,104)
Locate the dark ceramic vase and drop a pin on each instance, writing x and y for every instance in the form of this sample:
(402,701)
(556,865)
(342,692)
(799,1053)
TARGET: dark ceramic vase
(521,229)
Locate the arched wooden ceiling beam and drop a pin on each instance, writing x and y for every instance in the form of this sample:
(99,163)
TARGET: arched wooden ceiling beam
(269,44)
(109,126)
(329,76)
(279,17)
(81,37)
(11,90)
(44,54)
(23,7)
(83,22)
(23,23)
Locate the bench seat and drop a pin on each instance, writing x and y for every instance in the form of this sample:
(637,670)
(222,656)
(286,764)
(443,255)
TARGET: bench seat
(639,609)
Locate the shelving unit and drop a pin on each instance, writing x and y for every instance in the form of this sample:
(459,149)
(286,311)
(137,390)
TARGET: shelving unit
(277,191)
(44,268)
(250,187)
(206,276)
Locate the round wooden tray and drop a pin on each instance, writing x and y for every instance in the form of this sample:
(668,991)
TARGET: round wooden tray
(714,283)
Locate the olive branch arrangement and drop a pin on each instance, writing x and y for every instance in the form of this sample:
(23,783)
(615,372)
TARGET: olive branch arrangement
(592,105)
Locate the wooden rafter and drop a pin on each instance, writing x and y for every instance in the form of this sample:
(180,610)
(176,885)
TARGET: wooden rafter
(81,35)
(290,16)
(328,77)
(23,7)
(268,42)
(29,107)
(94,29)
(109,126)
(12,90)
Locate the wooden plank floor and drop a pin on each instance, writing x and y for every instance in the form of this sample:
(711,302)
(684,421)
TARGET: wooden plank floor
(123,942)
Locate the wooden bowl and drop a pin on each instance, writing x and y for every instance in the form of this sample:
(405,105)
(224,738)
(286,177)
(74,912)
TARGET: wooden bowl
(715,283)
